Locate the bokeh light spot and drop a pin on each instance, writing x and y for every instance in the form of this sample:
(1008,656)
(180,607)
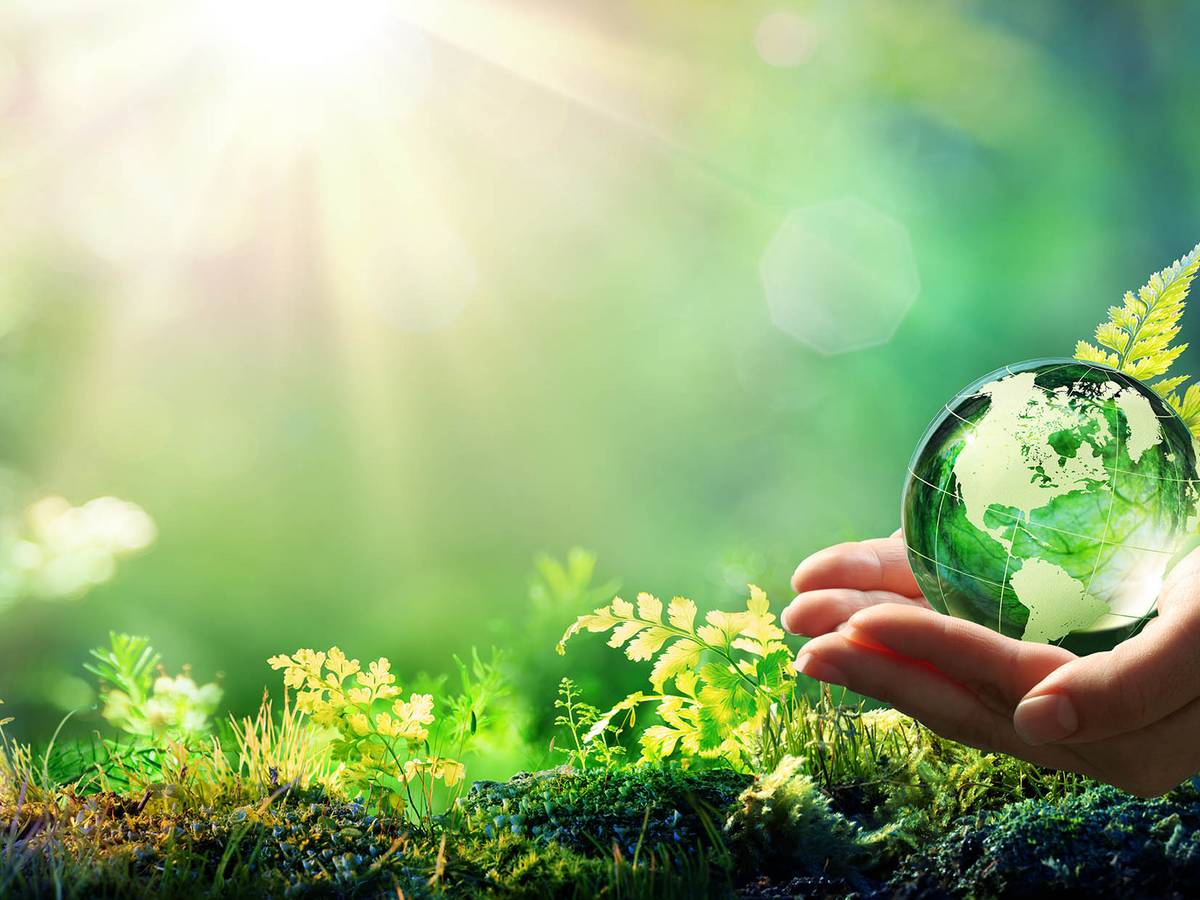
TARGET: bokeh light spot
(839,276)
(785,39)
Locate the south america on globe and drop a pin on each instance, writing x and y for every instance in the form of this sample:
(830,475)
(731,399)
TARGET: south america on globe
(1046,500)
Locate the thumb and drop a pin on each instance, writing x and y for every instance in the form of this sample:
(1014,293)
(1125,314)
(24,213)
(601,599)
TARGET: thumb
(1139,682)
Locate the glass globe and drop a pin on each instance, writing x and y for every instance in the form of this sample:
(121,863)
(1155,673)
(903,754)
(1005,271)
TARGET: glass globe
(1046,501)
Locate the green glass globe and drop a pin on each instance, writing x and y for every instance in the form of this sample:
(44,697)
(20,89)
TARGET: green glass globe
(1046,501)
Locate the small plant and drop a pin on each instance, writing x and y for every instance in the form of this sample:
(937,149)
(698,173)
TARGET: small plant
(579,718)
(721,708)
(159,708)
(1139,336)
(383,740)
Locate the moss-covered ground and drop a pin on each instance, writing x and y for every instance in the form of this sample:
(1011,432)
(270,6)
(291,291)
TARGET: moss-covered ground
(627,831)
(756,790)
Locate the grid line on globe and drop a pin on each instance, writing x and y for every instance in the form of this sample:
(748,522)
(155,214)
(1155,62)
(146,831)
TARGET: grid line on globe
(1046,500)
(1063,531)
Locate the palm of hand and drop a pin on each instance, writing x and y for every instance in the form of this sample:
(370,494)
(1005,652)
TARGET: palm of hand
(1129,716)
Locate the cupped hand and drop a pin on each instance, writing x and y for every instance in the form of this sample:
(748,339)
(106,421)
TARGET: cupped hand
(1129,716)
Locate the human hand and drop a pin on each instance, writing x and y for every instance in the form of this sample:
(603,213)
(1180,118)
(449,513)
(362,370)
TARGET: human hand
(1129,716)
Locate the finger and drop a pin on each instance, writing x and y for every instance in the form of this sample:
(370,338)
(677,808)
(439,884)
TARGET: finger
(999,669)
(1141,680)
(1179,590)
(1153,760)
(818,612)
(919,690)
(880,564)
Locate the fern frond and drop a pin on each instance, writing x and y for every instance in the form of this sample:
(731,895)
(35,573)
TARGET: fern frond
(678,658)
(1151,365)
(717,709)
(1165,387)
(1112,336)
(1086,352)
(1188,408)
(1140,332)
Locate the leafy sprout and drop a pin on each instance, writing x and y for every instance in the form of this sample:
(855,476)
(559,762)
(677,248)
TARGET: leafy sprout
(580,719)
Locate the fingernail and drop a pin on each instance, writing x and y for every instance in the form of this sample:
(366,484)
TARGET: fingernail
(807,664)
(857,636)
(785,618)
(1050,717)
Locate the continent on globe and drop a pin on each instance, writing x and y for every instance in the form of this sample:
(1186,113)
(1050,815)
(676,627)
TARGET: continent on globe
(1046,501)
(1057,603)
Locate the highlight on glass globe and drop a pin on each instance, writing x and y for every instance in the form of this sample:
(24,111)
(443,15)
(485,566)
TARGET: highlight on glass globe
(1046,501)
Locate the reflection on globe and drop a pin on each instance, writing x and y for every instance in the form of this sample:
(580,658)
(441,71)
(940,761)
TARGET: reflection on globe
(1046,500)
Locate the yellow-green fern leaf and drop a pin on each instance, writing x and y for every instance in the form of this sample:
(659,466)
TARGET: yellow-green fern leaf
(649,642)
(680,657)
(1188,408)
(624,632)
(1149,366)
(1089,353)
(682,614)
(1167,386)
(649,607)
(1140,333)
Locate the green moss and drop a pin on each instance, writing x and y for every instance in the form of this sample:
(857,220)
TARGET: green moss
(783,826)
(591,811)
(922,784)
(1100,841)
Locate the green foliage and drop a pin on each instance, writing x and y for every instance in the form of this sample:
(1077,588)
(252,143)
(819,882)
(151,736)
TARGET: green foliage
(135,701)
(471,710)
(782,825)
(718,709)
(1138,336)
(579,718)
(556,588)
(483,710)
(167,717)
(559,591)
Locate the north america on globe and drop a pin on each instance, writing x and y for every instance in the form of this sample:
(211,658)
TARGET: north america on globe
(1047,499)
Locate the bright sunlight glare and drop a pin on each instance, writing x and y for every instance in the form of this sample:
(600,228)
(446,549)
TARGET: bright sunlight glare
(299,34)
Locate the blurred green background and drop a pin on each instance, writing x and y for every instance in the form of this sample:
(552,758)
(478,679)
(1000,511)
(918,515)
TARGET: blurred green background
(365,304)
